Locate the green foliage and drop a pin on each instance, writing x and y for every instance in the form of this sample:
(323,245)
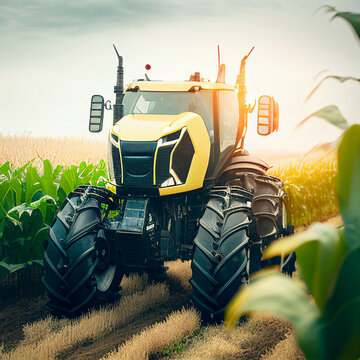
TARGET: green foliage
(352,18)
(272,292)
(328,260)
(331,114)
(29,201)
(348,184)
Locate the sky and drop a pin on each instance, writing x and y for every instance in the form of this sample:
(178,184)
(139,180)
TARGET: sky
(54,55)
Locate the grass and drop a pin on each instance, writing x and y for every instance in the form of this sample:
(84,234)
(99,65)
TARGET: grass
(179,274)
(157,337)
(249,340)
(286,349)
(92,325)
(35,331)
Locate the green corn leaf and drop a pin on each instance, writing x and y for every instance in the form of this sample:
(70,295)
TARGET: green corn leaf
(12,229)
(48,186)
(4,189)
(4,269)
(57,172)
(89,168)
(35,262)
(37,248)
(47,206)
(82,167)
(348,184)
(342,313)
(319,252)
(341,79)
(20,173)
(61,196)
(5,169)
(275,293)
(7,269)
(32,185)
(331,114)
(15,186)
(353,19)
(68,181)
(31,223)
(2,224)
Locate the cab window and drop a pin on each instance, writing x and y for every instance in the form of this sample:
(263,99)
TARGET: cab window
(228,118)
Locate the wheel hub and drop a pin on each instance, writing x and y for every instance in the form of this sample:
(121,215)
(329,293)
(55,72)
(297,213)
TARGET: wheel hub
(102,250)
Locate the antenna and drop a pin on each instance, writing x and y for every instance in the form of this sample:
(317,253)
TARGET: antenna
(250,52)
(218,57)
(243,109)
(117,53)
(221,69)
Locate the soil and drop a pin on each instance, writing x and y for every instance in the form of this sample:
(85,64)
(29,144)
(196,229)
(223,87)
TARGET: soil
(16,313)
(96,348)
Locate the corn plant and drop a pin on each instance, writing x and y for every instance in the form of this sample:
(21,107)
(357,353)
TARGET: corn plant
(28,204)
(310,187)
(327,325)
(328,260)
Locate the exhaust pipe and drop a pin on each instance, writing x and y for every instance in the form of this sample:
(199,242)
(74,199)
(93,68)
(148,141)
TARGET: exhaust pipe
(119,90)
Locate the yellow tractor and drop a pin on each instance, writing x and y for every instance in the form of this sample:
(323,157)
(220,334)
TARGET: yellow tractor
(181,186)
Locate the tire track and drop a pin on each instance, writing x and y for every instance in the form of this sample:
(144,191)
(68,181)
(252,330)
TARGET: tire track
(176,278)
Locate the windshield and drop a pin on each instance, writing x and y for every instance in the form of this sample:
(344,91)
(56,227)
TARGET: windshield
(170,103)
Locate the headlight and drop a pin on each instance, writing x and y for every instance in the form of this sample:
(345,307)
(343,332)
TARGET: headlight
(174,155)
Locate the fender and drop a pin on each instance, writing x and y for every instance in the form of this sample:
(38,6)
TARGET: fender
(241,162)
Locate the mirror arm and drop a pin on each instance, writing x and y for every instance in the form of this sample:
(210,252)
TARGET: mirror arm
(243,108)
(251,109)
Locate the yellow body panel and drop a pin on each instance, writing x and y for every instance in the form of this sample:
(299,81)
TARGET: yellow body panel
(146,127)
(143,127)
(178,86)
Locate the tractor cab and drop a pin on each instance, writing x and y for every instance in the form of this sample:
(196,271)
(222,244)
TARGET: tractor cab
(174,137)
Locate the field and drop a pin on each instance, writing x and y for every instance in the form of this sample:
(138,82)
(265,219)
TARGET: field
(156,320)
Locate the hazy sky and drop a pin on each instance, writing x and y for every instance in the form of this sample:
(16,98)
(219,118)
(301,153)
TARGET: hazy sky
(55,55)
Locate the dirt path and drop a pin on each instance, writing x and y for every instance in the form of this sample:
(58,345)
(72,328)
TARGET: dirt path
(96,348)
(15,316)
(28,310)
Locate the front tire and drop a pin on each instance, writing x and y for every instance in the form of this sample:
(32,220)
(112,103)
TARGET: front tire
(78,273)
(220,261)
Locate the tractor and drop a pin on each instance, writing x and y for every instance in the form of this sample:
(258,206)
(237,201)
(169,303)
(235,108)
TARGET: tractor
(181,186)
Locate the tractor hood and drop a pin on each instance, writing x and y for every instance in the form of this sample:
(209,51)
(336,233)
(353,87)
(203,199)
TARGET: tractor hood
(167,153)
(149,127)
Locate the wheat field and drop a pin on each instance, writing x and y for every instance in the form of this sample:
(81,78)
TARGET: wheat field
(59,150)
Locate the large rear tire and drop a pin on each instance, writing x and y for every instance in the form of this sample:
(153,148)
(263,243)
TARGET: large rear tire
(78,273)
(220,261)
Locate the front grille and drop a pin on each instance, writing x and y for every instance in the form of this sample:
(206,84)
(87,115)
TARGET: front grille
(116,163)
(163,163)
(182,158)
(138,162)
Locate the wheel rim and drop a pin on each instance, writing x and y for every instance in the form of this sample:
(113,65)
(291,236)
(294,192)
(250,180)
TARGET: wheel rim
(105,278)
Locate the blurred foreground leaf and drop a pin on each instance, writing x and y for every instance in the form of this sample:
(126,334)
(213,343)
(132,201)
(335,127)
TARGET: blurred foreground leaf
(331,114)
(348,184)
(319,252)
(275,293)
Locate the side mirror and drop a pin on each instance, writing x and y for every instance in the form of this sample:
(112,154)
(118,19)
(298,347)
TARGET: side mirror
(268,115)
(96,113)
